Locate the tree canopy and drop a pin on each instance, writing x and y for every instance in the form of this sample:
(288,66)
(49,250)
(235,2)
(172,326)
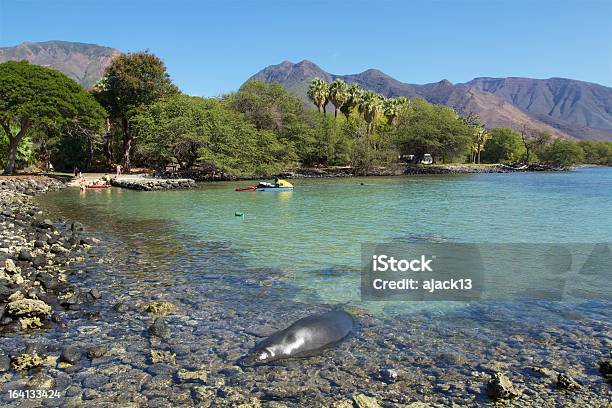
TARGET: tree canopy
(423,128)
(34,98)
(130,81)
(505,145)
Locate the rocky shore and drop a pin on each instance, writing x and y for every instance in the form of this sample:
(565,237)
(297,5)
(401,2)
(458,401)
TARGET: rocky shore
(150,183)
(34,253)
(346,171)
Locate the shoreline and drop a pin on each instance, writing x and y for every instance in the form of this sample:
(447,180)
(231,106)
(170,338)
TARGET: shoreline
(34,253)
(154,348)
(346,171)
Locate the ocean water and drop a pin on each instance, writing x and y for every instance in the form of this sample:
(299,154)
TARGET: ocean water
(310,239)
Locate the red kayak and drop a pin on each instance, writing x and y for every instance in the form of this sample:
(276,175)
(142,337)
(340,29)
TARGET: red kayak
(99,186)
(246,188)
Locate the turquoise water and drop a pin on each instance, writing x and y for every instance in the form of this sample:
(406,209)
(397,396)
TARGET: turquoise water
(313,235)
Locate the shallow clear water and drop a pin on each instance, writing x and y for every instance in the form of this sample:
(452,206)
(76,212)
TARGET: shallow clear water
(310,238)
(235,280)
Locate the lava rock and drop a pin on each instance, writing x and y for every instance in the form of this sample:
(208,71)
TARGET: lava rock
(500,387)
(95,381)
(36,348)
(388,375)
(5,363)
(5,290)
(121,307)
(39,261)
(96,352)
(605,367)
(44,224)
(71,355)
(25,256)
(40,382)
(58,319)
(159,328)
(86,241)
(95,293)
(566,382)
(363,401)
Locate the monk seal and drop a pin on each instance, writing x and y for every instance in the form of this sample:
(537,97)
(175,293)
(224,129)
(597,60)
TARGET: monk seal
(306,337)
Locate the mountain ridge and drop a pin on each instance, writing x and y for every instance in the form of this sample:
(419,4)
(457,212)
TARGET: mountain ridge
(590,118)
(85,63)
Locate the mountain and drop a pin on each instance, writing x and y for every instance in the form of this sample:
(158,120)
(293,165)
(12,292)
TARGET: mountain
(85,63)
(564,107)
(563,103)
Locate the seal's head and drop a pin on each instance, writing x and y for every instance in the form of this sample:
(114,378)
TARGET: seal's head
(257,356)
(281,345)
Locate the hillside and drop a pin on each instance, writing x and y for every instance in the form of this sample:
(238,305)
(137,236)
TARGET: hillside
(85,63)
(564,103)
(496,105)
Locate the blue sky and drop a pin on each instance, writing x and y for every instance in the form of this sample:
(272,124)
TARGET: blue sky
(211,47)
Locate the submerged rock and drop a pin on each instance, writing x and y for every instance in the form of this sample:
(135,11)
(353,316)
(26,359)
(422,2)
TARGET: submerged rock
(186,376)
(25,361)
(159,327)
(605,367)
(363,401)
(96,351)
(28,307)
(5,363)
(71,355)
(28,323)
(566,382)
(25,256)
(388,375)
(159,307)
(500,387)
(203,395)
(95,294)
(159,356)
(41,382)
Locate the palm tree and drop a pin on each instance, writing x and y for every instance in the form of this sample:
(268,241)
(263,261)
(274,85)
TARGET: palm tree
(370,105)
(338,94)
(318,92)
(354,93)
(392,106)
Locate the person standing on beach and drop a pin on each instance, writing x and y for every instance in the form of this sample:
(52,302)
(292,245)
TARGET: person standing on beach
(118,170)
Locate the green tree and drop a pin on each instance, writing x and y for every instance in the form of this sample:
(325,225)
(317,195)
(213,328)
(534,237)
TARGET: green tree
(190,130)
(238,147)
(130,81)
(173,129)
(338,94)
(505,145)
(597,152)
(562,153)
(431,129)
(41,100)
(534,142)
(318,92)
(268,106)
